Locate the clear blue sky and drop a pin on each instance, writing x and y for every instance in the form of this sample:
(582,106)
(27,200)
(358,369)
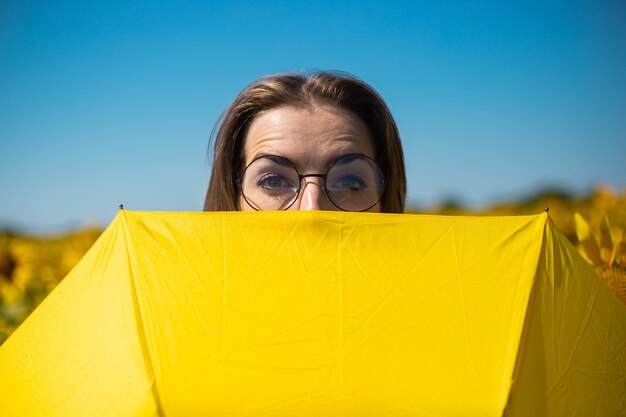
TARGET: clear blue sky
(109,102)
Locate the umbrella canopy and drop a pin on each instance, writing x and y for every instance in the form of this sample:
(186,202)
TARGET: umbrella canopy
(322,314)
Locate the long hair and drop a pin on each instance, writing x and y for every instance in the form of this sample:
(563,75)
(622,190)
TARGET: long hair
(303,91)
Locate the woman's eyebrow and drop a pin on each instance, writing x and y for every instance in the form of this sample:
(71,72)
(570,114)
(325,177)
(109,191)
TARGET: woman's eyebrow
(280,160)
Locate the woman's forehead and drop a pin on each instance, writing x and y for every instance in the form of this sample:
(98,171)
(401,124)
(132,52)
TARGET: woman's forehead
(317,133)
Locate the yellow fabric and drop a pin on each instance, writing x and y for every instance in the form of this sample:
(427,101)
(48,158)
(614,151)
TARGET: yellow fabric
(322,314)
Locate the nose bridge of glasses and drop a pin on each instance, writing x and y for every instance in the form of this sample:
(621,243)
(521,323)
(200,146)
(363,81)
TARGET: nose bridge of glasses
(302,176)
(310,179)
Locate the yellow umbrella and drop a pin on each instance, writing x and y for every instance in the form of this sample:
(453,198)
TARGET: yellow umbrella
(322,314)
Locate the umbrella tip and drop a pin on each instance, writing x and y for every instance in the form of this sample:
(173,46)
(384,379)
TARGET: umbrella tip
(546,209)
(121,206)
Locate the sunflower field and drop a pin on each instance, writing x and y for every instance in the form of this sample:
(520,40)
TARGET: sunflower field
(31,266)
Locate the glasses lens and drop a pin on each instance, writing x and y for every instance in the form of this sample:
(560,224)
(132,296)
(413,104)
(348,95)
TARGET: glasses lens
(355,183)
(270,183)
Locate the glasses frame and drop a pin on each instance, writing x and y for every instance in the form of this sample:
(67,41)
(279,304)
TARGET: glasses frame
(239,181)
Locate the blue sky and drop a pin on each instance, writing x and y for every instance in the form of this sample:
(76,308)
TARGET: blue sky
(109,102)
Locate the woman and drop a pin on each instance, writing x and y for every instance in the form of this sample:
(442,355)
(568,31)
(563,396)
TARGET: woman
(324,141)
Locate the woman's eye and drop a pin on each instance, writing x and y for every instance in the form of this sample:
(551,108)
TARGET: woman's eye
(352,183)
(273,182)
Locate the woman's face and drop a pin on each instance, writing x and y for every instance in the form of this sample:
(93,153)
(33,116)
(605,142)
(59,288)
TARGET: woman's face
(312,139)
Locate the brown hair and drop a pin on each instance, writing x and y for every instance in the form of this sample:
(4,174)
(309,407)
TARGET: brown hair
(298,90)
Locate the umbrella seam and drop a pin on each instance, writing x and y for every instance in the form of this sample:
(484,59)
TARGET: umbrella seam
(141,331)
(524,331)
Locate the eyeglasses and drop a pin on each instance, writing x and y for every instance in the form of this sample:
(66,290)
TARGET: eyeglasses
(352,182)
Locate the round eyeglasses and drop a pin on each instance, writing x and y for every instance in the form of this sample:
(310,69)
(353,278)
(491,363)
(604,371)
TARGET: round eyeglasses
(352,182)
